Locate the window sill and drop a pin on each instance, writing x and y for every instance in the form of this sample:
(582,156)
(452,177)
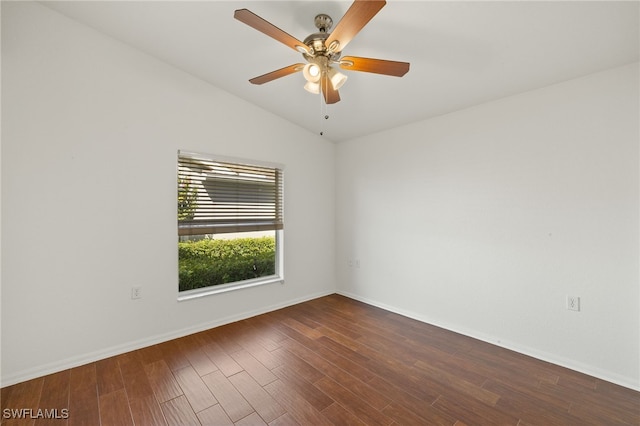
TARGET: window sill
(224,288)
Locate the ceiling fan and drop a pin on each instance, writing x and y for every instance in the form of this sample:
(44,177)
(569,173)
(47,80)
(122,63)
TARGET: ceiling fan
(322,50)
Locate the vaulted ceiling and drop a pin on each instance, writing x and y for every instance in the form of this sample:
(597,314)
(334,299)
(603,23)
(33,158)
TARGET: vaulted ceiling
(461,53)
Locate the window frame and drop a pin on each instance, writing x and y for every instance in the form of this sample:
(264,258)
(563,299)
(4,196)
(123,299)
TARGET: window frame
(278,277)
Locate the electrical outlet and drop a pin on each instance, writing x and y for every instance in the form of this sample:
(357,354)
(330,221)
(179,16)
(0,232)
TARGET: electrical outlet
(573,303)
(136,292)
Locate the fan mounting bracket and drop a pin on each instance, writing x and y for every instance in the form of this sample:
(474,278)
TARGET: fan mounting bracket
(323,22)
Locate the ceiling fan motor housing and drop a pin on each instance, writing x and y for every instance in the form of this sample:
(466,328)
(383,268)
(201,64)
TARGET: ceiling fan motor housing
(316,41)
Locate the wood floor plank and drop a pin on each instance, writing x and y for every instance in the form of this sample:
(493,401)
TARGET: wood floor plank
(83,382)
(328,321)
(301,328)
(403,416)
(150,354)
(82,417)
(266,357)
(108,376)
(342,350)
(326,361)
(472,411)
(404,377)
(83,396)
(426,334)
(612,398)
(577,381)
(173,356)
(338,415)
(338,337)
(304,388)
(214,416)
(222,359)
(508,364)
(529,408)
(4,395)
(362,390)
(263,335)
(415,404)
(147,411)
(178,412)
(252,419)
(399,349)
(265,323)
(598,415)
(55,398)
(196,356)
(255,368)
(22,397)
(441,361)
(55,390)
(285,420)
(16,419)
(197,393)
(162,381)
(360,408)
(300,313)
(264,404)
(134,377)
(468,362)
(114,409)
(297,366)
(227,395)
(458,384)
(25,395)
(224,336)
(297,406)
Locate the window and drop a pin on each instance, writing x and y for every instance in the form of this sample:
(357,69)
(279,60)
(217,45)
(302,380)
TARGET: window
(230,224)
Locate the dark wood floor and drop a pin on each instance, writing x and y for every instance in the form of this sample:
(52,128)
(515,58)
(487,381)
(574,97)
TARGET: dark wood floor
(328,361)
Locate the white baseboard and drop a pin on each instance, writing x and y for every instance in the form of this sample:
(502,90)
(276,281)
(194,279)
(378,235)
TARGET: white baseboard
(54,367)
(541,355)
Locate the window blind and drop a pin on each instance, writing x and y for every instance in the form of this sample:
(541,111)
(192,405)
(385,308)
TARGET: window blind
(220,197)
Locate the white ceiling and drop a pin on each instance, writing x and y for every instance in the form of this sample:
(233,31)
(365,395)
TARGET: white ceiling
(461,53)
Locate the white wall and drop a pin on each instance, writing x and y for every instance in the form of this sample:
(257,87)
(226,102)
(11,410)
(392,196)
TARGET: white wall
(484,220)
(90,134)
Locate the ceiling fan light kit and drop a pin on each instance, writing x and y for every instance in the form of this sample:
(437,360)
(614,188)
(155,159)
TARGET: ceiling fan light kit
(322,50)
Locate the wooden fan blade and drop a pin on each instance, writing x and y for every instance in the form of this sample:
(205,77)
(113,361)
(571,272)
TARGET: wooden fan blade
(358,15)
(378,66)
(282,72)
(266,27)
(331,95)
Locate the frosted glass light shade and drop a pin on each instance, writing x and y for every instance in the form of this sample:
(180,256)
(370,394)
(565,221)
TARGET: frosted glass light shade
(337,78)
(311,73)
(312,87)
